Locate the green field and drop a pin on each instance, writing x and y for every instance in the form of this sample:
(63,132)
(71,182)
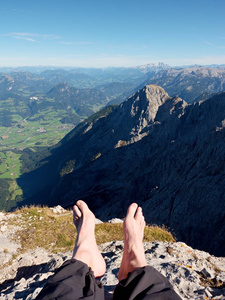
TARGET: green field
(40,130)
(33,116)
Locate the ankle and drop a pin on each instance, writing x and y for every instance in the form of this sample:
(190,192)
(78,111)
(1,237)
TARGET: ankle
(82,254)
(134,250)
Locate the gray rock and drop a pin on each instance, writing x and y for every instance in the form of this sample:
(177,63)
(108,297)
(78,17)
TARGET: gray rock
(182,265)
(8,246)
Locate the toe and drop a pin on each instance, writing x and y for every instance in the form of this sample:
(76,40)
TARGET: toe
(132,210)
(76,212)
(143,224)
(82,205)
(139,215)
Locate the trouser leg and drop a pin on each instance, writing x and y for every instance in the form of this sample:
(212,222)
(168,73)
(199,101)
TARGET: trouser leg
(145,284)
(73,280)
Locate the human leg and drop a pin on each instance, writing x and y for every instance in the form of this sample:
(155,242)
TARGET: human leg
(145,283)
(76,278)
(73,280)
(137,280)
(86,249)
(133,228)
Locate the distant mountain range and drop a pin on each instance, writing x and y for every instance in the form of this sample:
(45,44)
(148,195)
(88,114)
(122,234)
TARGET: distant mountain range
(87,90)
(153,149)
(190,83)
(72,95)
(89,71)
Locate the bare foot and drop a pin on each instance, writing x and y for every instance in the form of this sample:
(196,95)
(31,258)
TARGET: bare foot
(86,248)
(133,229)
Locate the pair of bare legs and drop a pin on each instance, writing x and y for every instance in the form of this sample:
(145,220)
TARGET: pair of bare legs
(86,249)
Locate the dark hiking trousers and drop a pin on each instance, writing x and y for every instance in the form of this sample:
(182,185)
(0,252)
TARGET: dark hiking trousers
(75,280)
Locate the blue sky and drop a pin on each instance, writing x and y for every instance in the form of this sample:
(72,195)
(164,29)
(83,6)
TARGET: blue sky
(96,33)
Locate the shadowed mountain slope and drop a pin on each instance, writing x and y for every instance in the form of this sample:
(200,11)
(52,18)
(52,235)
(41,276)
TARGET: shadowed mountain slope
(152,149)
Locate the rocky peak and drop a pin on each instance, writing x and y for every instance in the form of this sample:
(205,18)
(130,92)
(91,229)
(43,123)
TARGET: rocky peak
(6,78)
(140,110)
(60,89)
(6,83)
(135,118)
(147,101)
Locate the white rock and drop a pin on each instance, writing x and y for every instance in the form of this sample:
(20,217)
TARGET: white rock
(115,220)
(58,209)
(97,221)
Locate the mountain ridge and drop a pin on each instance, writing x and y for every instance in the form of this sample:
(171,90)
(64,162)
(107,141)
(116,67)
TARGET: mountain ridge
(32,117)
(171,165)
(191,83)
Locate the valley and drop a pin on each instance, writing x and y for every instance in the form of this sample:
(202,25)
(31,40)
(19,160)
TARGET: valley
(38,107)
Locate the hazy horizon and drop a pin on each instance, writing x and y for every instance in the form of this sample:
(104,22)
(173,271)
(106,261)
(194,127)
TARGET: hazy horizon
(106,67)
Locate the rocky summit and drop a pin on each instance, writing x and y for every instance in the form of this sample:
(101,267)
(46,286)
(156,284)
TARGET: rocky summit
(194,274)
(152,149)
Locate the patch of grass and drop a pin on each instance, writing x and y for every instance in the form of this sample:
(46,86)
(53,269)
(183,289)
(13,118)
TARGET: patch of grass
(107,232)
(64,241)
(68,168)
(156,233)
(14,256)
(96,156)
(41,227)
